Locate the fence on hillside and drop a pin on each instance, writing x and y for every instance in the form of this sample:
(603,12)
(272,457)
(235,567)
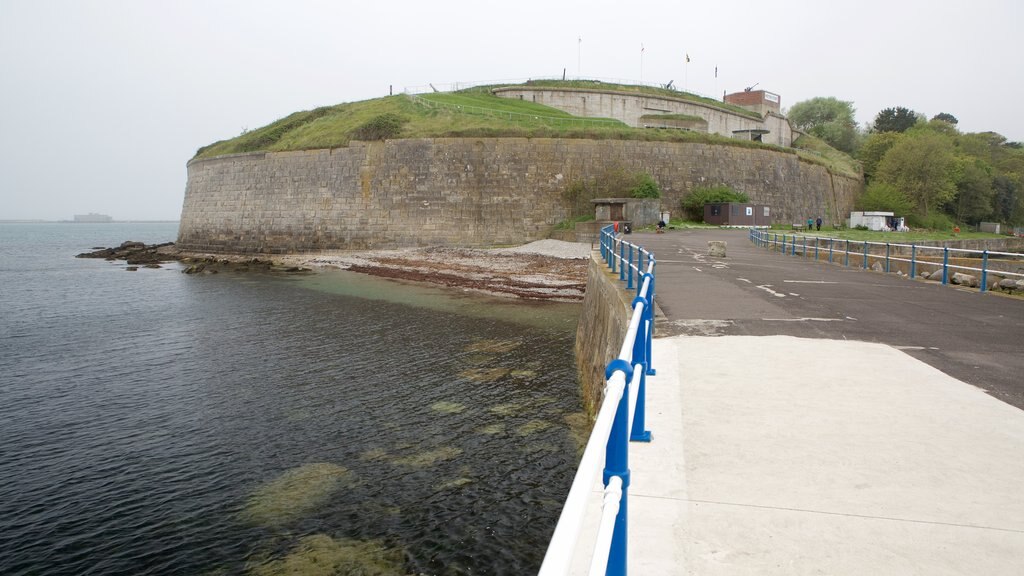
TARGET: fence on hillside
(912,260)
(620,419)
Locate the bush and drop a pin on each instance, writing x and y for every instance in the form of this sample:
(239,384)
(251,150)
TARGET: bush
(693,203)
(933,221)
(645,187)
(380,128)
(612,182)
(883,197)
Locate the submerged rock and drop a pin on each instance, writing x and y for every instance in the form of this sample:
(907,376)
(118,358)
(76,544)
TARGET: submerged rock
(295,493)
(320,554)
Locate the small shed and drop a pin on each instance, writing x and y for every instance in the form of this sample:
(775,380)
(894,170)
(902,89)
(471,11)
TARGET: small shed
(737,214)
(876,221)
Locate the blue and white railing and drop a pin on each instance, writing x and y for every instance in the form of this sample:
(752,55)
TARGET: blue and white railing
(620,419)
(916,255)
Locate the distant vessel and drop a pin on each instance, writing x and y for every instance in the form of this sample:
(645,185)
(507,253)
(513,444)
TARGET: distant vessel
(93,217)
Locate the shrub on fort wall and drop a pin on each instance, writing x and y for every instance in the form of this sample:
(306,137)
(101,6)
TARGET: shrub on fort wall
(693,203)
(380,127)
(612,182)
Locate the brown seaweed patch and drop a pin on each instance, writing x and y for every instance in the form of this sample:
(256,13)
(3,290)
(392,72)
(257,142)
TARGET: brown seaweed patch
(295,493)
(454,483)
(321,555)
(479,359)
(532,427)
(483,374)
(493,346)
(445,407)
(424,459)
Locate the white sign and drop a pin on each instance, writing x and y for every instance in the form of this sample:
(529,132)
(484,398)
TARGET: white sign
(771,97)
(750,210)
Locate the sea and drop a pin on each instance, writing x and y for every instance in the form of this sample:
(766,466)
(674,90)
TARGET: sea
(153,422)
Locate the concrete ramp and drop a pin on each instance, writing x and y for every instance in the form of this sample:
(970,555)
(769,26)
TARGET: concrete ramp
(783,455)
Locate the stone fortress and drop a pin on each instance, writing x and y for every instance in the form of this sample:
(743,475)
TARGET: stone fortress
(492,191)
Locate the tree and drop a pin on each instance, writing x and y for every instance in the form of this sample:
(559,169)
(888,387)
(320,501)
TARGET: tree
(883,197)
(897,119)
(974,191)
(946,117)
(922,166)
(873,149)
(829,119)
(1006,197)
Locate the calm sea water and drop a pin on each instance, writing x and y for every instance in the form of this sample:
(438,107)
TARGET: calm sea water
(153,422)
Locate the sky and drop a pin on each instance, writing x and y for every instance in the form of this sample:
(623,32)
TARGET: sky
(102,102)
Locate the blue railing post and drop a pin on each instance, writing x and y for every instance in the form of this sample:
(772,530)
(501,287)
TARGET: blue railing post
(650,322)
(617,464)
(817,241)
(784,252)
(945,265)
(611,259)
(793,245)
(805,247)
(984,270)
(847,263)
(622,261)
(913,260)
(830,241)
(865,255)
(629,281)
(886,257)
(641,356)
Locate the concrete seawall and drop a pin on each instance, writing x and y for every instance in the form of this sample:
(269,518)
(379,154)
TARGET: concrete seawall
(601,330)
(464,191)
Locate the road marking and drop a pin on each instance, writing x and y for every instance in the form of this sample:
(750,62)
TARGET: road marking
(809,282)
(697,269)
(744,280)
(915,347)
(802,319)
(768,288)
(794,294)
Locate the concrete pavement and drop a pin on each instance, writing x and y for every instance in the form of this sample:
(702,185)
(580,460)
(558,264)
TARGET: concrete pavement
(776,454)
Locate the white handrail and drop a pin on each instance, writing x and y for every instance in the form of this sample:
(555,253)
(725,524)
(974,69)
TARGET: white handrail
(570,522)
(609,510)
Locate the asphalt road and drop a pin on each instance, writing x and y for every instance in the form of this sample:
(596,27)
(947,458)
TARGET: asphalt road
(977,338)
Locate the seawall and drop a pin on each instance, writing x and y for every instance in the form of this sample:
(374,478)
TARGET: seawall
(601,329)
(465,191)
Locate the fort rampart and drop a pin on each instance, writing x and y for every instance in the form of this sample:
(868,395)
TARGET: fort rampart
(464,191)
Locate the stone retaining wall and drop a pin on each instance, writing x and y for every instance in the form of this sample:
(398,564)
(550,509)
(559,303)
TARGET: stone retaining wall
(464,191)
(601,330)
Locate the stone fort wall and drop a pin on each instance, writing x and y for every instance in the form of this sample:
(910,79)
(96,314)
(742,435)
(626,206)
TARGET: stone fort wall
(464,191)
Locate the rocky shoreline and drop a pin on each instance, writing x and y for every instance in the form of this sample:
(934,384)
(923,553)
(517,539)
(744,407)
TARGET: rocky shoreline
(543,270)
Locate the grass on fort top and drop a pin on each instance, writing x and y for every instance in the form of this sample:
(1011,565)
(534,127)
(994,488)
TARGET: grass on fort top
(472,113)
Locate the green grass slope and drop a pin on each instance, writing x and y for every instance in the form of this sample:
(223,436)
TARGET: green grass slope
(470,113)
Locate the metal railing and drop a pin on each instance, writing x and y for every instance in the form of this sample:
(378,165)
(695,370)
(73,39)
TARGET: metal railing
(891,254)
(518,116)
(620,419)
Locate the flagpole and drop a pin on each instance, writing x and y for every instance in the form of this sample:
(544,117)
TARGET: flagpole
(579,50)
(641,63)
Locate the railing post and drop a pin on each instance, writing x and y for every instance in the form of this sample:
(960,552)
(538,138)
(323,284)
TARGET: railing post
(805,247)
(641,355)
(793,246)
(650,324)
(629,279)
(817,242)
(886,257)
(784,251)
(847,263)
(984,270)
(611,259)
(913,260)
(622,258)
(617,464)
(945,265)
(865,255)
(830,241)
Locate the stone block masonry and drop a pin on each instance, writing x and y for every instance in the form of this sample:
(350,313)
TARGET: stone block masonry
(464,191)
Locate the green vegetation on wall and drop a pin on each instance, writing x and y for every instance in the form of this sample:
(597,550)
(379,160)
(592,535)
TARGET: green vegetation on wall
(612,182)
(693,203)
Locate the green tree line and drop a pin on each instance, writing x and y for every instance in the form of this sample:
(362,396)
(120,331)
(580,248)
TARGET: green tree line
(925,169)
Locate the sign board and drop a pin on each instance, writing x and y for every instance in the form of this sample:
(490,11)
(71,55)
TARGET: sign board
(750,210)
(771,97)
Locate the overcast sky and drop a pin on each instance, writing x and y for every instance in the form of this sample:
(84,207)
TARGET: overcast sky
(103,102)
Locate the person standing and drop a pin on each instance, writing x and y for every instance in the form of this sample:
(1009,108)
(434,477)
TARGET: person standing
(818,223)
(810,224)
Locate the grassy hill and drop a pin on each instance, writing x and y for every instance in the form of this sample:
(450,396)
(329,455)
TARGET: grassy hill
(469,113)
